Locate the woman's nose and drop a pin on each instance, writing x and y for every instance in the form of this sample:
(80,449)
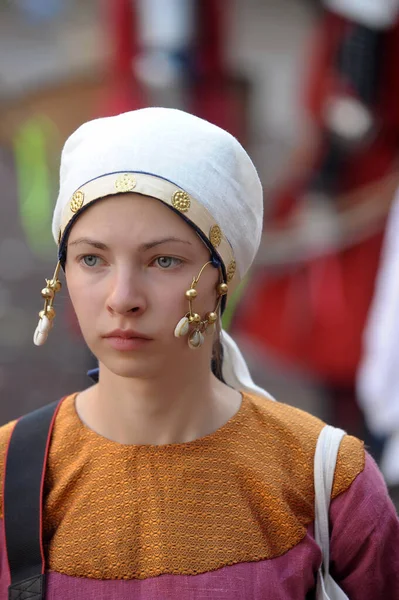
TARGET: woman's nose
(126,295)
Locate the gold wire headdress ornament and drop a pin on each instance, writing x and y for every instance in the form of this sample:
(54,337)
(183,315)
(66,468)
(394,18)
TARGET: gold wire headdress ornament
(48,313)
(199,326)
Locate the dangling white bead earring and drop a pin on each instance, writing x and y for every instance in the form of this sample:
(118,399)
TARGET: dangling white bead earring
(199,326)
(182,327)
(196,339)
(48,313)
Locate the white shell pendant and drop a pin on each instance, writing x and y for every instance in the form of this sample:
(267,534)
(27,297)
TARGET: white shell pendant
(195,340)
(42,330)
(181,328)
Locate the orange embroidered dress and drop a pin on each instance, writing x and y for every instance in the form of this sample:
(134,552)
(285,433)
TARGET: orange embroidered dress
(227,516)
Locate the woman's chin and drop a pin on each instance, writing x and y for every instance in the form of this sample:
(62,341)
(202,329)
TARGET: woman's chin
(134,367)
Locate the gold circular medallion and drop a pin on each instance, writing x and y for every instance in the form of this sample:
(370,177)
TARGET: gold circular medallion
(125,183)
(181,201)
(215,236)
(231,270)
(77,201)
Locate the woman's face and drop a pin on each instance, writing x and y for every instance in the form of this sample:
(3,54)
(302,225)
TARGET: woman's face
(130,260)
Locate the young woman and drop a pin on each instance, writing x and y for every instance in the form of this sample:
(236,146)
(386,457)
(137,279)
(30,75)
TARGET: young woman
(174,476)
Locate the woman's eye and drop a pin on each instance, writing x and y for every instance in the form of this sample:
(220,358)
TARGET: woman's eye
(166,262)
(90,261)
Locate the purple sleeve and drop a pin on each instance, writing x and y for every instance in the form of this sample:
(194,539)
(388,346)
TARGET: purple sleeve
(4,572)
(365,538)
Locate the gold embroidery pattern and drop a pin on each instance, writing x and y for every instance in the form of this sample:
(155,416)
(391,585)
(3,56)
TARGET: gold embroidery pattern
(243,493)
(181,201)
(231,271)
(77,201)
(125,183)
(215,236)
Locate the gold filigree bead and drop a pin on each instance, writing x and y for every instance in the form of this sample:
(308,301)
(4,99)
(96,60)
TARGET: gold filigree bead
(47,293)
(194,318)
(211,317)
(55,285)
(231,270)
(222,289)
(181,201)
(125,183)
(50,313)
(77,201)
(191,294)
(215,236)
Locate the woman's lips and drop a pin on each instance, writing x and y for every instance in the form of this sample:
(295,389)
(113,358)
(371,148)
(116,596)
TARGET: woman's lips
(125,344)
(122,339)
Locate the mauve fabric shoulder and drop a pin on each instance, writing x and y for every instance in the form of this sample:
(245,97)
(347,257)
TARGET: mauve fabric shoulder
(365,538)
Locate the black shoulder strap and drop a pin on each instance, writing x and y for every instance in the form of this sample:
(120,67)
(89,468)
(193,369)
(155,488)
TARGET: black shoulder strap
(23,490)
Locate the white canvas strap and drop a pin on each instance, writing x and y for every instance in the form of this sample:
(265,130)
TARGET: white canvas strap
(324,467)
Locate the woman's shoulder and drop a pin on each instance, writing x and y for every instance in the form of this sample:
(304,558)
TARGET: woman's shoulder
(6,432)
(290,435)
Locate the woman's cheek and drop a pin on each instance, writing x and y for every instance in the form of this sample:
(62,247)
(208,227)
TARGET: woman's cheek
(171,301)
(86,301)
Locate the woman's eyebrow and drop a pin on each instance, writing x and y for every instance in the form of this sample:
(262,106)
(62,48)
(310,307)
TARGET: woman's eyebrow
(149,245)
(142,247)
(89,242)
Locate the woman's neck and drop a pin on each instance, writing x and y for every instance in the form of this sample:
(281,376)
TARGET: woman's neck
(166,410)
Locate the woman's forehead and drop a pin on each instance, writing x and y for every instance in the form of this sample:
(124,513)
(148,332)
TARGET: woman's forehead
(132,215)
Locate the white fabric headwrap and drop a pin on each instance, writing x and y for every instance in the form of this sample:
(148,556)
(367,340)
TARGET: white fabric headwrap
(196,156)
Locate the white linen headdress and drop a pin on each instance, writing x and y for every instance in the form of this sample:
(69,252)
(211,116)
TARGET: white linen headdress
(195,167)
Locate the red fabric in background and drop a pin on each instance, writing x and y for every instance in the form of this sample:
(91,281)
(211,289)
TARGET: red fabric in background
(211,23)
(314,315)
(321,78)
(215,95)
(124,92)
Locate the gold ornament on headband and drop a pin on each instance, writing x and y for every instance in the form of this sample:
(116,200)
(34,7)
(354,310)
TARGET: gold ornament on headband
(77,201)
(192,323)
(181,201)
(215,236)
(48,313)
(231,271)
(125,183)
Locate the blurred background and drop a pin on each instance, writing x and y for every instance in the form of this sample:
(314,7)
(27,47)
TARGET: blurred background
(311,89)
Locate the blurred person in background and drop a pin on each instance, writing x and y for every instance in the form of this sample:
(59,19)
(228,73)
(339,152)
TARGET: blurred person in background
(172,53)
(174,475)
(166,34)
(152,45)
(309,298)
